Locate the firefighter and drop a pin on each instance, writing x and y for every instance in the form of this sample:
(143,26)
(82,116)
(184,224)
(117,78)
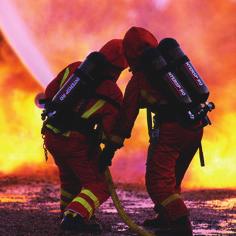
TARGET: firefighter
(168,156)
(75,151)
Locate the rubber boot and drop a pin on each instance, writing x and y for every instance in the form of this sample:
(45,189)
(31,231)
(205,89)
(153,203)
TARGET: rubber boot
(74,222)
(160,222)
(182,226)
(156,223)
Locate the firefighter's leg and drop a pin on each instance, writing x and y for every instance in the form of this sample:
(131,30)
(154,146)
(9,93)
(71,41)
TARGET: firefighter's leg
(158,221)
(182,165)
(70,185)
(93,193)
(187,153)
(160,181)
(59,147)
(71,157)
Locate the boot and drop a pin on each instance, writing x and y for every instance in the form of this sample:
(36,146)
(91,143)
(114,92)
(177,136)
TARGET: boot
(160,222)
(181,226)
(74,222)
(156,223)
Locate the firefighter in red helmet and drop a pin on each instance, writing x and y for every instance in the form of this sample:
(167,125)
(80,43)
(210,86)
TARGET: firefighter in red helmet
(170,155)
(76,151)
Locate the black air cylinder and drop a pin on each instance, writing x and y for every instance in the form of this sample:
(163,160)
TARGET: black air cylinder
(158,71)
(86,77)
(181,65)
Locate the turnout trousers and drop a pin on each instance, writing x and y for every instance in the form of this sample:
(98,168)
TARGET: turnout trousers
(168,159)
(83,188)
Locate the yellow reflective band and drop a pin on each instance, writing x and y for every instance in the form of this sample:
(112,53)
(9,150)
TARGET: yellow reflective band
(93,109)
(85,204)
(117,139)
(92,196)
(150,99)
(57,131)
(64,76)
(170,199)
(66,194)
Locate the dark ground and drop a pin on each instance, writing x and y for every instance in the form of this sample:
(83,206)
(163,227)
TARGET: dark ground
(30,207)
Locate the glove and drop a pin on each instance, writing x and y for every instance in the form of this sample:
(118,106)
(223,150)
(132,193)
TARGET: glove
(105,158)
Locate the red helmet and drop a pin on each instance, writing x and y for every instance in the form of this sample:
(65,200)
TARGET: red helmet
(135,41)
(113,51)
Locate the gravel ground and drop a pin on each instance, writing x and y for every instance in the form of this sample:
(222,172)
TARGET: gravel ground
(30,207)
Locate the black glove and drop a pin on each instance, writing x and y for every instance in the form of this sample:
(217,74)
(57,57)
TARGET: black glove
(105,158)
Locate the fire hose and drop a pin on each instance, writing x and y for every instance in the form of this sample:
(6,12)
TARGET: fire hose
(132,225)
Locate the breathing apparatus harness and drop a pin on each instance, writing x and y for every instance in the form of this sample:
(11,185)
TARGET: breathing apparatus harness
(59,114)
(80,86)
(168,68)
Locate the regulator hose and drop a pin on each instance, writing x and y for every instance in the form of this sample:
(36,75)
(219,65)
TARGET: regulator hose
(132,225)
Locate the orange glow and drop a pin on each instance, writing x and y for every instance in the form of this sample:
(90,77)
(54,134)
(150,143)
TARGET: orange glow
(13,198)
(65,31)
(20,119)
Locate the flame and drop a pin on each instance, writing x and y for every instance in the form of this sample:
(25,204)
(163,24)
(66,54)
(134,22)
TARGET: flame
(20,123)
(62,32)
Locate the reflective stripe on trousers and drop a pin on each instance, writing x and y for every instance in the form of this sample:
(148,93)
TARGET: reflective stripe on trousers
(84,203)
